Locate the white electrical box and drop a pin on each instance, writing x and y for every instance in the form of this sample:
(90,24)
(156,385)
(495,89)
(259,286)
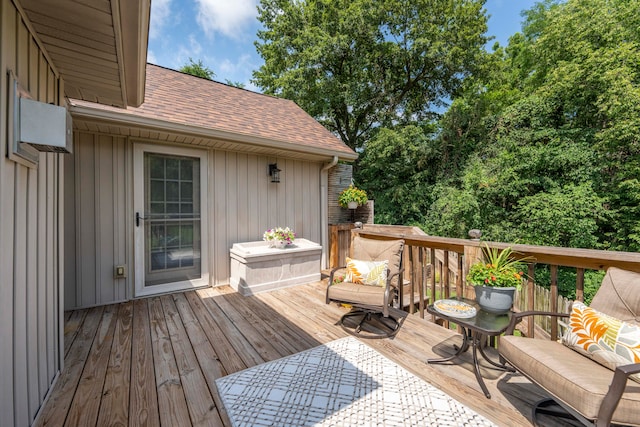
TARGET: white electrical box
(45,127)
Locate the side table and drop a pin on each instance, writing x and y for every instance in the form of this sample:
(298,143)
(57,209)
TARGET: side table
(484,324)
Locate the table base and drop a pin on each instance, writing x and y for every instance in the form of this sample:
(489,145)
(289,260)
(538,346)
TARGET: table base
(474,339)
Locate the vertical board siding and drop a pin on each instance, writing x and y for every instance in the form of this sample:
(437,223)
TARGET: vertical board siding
(85,216)
(30,317)
(99,231)
(70,224)
(246,202)
(242,203)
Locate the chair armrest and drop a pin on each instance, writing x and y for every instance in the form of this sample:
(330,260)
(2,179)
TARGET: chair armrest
(517,318)
(333,272)
(397,273)
(616,389)
(389,285)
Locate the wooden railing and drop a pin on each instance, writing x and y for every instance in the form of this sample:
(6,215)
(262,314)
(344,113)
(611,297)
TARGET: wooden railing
(435,267)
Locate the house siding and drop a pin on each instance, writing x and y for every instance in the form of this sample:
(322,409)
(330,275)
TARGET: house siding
(31,334)
(96,203)
(242,204)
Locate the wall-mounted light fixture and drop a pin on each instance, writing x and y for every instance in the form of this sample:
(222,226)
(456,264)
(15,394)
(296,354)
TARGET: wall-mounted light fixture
(274,172)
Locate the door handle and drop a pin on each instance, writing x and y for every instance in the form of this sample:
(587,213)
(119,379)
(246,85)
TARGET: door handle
(138,218)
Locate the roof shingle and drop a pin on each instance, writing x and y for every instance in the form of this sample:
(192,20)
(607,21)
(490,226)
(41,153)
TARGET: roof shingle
(184,99)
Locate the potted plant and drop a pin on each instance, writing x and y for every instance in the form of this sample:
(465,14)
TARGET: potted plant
(497,279)
(352,197)
(279,237)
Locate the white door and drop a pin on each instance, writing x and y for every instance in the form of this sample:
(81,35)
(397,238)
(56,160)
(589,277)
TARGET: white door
(170,192)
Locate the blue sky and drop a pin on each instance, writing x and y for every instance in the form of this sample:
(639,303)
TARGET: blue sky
(221,33)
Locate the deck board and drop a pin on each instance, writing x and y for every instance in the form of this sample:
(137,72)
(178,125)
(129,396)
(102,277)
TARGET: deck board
(154,361)
(171,400)
(114,408)
(200,403)
(54,413)
(87,399)
(143,396)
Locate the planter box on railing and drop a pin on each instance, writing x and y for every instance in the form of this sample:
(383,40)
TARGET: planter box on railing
(256,267)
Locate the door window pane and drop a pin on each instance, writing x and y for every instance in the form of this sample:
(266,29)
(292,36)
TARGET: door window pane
(172,225)
(157,190)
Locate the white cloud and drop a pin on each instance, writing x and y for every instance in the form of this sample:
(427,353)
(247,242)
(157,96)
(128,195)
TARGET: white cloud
(194,45)
(183,52)
(243,63)
(151,57)
(225,16)
(237,70)
(160,12)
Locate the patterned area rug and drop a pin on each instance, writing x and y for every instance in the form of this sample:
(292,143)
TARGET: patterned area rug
(342,383)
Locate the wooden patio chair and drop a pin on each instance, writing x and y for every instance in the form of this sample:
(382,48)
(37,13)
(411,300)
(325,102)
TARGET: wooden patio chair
(581,387)
(370,314)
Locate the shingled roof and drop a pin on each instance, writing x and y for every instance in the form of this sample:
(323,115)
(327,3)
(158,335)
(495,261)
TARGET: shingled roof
(204,105)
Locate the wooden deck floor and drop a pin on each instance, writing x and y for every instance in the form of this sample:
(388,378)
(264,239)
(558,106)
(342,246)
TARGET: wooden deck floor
(154,361)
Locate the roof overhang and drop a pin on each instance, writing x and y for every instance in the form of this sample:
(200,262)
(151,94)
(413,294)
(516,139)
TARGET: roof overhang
(99,47)
(125,124)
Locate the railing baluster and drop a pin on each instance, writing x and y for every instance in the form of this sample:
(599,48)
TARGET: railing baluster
(580,284)
(531,326)
(445,275)
(554,301)
(432,278)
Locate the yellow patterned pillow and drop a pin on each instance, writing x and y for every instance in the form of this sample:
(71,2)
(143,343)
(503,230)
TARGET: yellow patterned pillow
(605,339)
(367,272)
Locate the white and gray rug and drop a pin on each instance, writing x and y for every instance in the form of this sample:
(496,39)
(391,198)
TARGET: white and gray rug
(342,383)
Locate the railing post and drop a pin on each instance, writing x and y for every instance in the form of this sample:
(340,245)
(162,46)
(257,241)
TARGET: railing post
(412,279)
(580,284)
(423,276)
(460,286)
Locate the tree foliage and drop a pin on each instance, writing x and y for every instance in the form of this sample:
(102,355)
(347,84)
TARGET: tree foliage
(356,65)
(198,69)
(402,158)
(553,131)
(540,143)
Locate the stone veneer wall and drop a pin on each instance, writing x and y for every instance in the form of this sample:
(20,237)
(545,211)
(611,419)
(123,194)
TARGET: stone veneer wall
(339,178)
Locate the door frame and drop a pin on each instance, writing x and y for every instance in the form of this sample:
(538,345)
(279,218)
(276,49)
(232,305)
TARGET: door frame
(139,150)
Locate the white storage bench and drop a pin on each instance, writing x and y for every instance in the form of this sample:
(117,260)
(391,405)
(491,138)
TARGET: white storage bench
(256,267)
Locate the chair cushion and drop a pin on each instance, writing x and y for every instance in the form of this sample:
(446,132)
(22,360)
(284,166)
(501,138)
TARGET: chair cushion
(605,339)
(357,294)
(367,272)
(569,376)
(376,250)
(619,295)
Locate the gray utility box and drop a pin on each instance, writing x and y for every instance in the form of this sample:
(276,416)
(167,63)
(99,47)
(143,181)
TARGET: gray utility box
(256,267)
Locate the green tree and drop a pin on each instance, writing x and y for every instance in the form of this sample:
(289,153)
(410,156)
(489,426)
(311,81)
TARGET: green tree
(197,69)
(237,84)
(550,134)
(567,216)
(356,65)
(395,170)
